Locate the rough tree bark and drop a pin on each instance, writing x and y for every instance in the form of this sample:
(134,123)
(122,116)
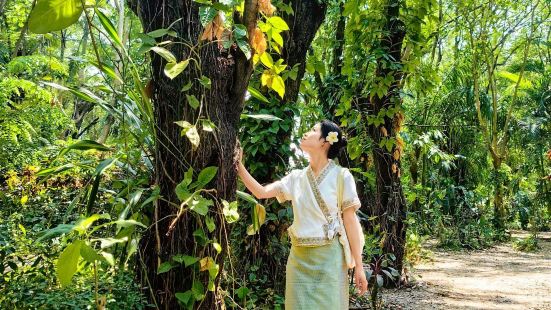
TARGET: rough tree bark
(390,203)
(229,72)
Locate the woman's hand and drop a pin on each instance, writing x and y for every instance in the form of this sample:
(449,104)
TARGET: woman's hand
(360,280)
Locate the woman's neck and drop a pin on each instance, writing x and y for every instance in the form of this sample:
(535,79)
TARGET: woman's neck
(317,163)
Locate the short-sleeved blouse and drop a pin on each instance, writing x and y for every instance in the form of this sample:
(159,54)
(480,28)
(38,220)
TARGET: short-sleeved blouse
(305,190)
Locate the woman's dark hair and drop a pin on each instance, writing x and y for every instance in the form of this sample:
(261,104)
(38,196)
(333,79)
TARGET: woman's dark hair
(327,126)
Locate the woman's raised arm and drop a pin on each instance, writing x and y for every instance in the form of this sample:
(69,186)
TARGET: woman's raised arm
(258,190)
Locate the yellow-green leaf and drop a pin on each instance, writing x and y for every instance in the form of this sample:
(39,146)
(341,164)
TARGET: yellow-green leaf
(67,262)
(278,85)
(53,15)
(173,69)
(278,22)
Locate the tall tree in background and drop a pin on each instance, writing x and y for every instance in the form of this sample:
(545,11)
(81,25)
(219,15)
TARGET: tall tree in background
(386,54)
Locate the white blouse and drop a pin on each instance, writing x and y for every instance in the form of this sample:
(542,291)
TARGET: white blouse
(310,195)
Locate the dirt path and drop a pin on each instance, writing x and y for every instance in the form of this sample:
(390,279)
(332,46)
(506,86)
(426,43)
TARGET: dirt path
(496,278)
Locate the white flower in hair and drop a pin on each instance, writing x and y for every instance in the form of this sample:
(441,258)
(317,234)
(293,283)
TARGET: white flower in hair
(332,137)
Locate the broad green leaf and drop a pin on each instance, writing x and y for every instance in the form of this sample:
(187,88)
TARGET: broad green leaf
(166,54)
(107,242)
(205,81)
(109,28)
(245,47)
(264,117)
(230,211)
(127,223)
(193,102)
(205,176)
(240,31)
(83,224)
(173,69)
(161,32)
(217,247)
(246,197)
(211,226)
(208,125)
(186,298)
(267,60)
(67,262)
(193,137)
(201,205)
(58,230)
(200,236)
(165,267)
(242,292)
(84,145)
(258,95)
(278,22)
(53,15)
(206,14)
(89,254)
(278,85)
(186,259)
(198,290)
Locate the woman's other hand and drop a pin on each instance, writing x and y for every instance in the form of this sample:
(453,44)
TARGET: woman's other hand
(360,280)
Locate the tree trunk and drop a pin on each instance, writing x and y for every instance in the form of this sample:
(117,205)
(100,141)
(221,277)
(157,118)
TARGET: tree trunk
(390,203)
(229,74)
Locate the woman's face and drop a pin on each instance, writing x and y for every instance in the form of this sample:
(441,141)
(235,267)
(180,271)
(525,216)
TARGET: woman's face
(311,141)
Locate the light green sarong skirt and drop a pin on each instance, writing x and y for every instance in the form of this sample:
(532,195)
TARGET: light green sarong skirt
(316,278)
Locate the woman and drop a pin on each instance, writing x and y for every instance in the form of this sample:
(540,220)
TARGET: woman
(316,271)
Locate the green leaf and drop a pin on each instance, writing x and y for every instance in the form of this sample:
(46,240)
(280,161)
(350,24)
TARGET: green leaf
(264,117)
(163,52)
(278,22)
(201,205)
(83,224)
(240,31)
(193,137)
(173,69)
(108,26)
(67,262)
(245,47)
(165,267)
(186,259)
(257,94)
(267,60)
(200,236)
(211,226)
(107,70)
(187,86)
(108,242)
(89,254)
(242,292)
(161,32)
(205,81)
(53,15)
(230,211)
(217,247)
(246,197)
(84,145)
(198,290)
(58,230)
(278,85)
(208,125)
(206,14)
(185,298)
(104,164)
(205,176)
(127,223)
(193,102)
